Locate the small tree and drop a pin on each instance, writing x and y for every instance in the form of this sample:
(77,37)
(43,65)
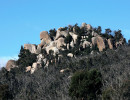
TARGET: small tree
(85,85)
(68,39)
(99,30)
(26,58)
(52,33)
(107,31)
(118,35)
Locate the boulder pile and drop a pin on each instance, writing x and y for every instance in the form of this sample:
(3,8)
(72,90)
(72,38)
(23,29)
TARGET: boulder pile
(88,36)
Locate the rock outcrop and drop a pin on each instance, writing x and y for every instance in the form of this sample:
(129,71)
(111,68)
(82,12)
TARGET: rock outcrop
(30,47)
(44,36)
(74,36)
(87,37)
(60,33)
(86,44)
(60,42)
(86,26)
(99,42)
(10,64)
(52,47)
(70,55)
(110,44)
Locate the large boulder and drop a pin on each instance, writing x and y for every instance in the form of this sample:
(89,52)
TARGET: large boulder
(60,33)
(60,42)
(74,36)
(30,47)
(39,58)
(86,26)
(86,44)
(110,44)
(28,68)
(99,42)
(72,44)
(83,25)
(70,55)
(52,47)
(89,27)
(42,43)
(94,34)
(94,40)
(10,64)
(44,36)
(34,67)
(38,50)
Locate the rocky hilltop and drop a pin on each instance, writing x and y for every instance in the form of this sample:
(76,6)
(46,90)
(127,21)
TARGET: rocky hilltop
(70,63)
(72,40)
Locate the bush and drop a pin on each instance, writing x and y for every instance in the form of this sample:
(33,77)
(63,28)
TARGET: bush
(86,85)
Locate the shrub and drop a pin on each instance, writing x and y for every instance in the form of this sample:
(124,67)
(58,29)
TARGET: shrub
(85,85)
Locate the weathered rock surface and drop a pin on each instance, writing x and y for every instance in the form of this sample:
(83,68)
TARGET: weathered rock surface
(86,44)
(74,36)
(110,44)
(10,64)
(60,42)
(44,36)
(70,55)
(86,26)
(30,47)
(94,34)
(52,47)
(63,70)
(60,33)
(28,68)
(99,41)
(38,50)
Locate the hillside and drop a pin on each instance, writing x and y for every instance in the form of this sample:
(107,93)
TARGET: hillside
(46,71)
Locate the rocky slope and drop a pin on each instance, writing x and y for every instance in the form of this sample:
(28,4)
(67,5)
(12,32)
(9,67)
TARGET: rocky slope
(67,38)
(44,71)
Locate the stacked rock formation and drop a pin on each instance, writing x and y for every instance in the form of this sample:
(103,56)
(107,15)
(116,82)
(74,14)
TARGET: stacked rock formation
(56,45)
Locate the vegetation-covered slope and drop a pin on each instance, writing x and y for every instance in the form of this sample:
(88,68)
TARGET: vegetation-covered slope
(110,69)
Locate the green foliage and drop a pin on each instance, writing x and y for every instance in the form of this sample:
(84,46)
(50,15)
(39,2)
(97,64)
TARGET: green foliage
(86,85)
(107,94)
(68,39)
(118,35)
(79,31)
(52,33)
(89,39)
(4,92)
(99,30)
(107,31)
(70,28)
(26,58)
(126,89)
(64,29)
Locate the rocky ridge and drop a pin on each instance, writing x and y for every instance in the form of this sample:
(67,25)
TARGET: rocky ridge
(85,35)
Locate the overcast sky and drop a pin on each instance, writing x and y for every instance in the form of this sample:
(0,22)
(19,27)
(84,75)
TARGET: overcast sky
(21,21)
